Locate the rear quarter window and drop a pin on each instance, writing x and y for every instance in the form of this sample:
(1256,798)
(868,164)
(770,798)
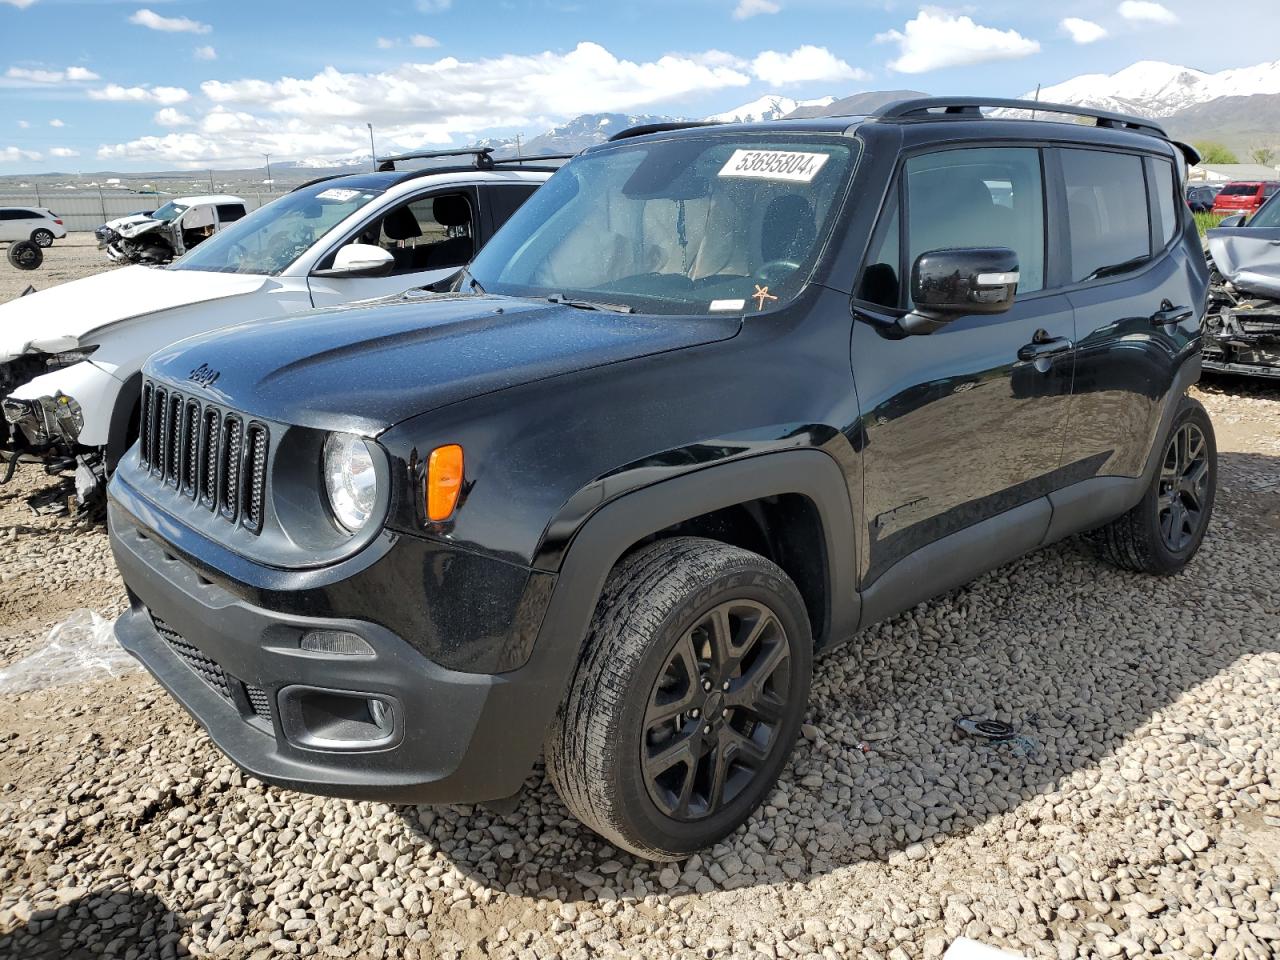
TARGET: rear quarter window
(1166,199)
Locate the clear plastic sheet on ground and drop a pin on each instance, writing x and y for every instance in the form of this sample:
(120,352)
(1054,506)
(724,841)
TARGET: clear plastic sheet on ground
(80,649)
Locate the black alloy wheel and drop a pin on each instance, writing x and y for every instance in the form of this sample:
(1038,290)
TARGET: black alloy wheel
(1184,481)
(715,710)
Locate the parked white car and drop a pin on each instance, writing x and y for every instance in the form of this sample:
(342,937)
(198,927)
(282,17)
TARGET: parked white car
(39,225)
(71,356)
(169,232)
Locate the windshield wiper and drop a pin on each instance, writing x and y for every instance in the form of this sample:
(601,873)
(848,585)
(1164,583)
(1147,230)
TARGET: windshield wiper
(590,304)
(1116,268)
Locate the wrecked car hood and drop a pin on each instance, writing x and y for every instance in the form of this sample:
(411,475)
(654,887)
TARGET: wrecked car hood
(1249,257)
(72,310)
(137,227)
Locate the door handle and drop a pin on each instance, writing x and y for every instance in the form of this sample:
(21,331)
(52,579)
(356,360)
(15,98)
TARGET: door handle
(1168,313)
(1041,349)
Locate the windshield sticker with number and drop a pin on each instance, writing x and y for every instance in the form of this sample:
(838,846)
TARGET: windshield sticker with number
(335,193)
(728,304)
(790,165)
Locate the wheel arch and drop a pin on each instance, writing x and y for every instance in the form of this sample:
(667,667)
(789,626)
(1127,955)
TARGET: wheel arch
(124,419)
(746,502)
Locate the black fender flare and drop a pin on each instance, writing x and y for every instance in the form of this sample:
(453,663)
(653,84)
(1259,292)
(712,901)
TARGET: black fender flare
(118,439)
(617,525)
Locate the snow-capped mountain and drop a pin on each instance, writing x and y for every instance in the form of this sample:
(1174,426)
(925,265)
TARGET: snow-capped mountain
(769,107)
(1157,89)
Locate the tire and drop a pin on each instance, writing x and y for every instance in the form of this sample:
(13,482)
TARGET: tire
(42,238)
(645,643)
(1163,532)
(25,255)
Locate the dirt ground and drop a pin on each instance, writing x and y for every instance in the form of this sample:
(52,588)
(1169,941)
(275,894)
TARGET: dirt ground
(1137,814)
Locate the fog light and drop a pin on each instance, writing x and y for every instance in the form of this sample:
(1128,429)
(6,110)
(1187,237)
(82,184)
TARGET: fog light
(340,642)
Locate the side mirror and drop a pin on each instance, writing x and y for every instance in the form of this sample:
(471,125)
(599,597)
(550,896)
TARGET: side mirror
(946,284)
(1235,220)
(359,260)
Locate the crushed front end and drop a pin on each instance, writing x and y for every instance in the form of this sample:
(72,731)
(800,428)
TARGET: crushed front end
(1242,333)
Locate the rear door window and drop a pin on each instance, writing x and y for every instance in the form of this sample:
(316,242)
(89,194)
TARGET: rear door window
(229,212)
(1107,211)
(506,198)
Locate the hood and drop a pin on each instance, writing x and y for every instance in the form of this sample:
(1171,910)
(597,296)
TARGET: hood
(72,310)
(134,228)
(130,220)
(1249,257)
(365,369)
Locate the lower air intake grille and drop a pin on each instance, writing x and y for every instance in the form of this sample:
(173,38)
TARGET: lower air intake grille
(223,683)
(203,667)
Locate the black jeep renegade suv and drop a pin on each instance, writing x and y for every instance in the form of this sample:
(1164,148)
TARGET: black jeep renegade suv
(714,399)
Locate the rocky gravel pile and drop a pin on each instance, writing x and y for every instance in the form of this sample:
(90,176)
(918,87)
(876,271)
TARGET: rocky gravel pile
(1136,813)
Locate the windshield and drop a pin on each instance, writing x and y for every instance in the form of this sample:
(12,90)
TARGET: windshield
(689,225)
(1269,215)
(271,238)
(170,211)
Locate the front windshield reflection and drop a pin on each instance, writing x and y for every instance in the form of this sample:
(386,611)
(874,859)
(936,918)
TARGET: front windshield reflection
(713,223)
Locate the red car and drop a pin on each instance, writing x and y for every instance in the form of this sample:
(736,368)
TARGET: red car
(1244,196)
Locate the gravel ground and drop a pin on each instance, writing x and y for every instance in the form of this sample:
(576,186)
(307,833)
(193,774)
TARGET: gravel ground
(1138,814)
(68,259)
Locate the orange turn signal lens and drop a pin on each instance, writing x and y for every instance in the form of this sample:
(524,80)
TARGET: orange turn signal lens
(444,481)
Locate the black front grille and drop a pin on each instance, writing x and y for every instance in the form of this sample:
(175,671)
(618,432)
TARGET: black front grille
(256,699)
(213,456)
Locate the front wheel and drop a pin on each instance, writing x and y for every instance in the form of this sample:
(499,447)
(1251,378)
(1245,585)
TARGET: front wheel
(42,238)
(687,699)
(1163,532)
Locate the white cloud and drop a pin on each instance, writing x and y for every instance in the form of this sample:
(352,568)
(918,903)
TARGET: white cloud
(20,4)
(63,152)
(55,122)
(169,117)
(40,75)
(424,41)
(153,21)
(937,38)
(205,53)
(386,43)
(1082,31)
(24,124)
(116,93)
(1144,11)
(433,6)
(17,154)
(415,104)
(751,8)
(805,64)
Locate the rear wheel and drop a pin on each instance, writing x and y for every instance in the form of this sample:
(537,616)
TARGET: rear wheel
(687,700)
(42,237)
(1163,532)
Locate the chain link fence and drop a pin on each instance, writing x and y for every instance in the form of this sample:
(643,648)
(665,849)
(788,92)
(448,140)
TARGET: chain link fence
(89,209)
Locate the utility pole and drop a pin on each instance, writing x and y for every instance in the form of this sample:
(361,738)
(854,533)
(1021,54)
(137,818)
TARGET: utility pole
(518,153)
(270,182)
(211,187)
(373,153)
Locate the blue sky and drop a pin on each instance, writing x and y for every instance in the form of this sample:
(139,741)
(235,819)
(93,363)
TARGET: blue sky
(167,84)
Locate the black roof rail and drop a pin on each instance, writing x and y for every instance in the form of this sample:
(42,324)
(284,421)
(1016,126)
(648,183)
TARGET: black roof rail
(936,108)
(312,183)
(541,158)
(483,160)
(641,129)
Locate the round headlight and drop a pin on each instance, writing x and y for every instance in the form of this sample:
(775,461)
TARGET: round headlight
(350,480)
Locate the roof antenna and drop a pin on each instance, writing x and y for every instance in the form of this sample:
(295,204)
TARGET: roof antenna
(1033,113)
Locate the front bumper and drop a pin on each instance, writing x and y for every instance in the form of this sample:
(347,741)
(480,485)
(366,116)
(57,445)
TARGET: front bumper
(1244,341)
(237,667)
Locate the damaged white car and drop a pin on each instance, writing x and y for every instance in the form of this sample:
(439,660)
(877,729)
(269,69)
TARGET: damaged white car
(169,232)
(1242,325)
(71,356)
